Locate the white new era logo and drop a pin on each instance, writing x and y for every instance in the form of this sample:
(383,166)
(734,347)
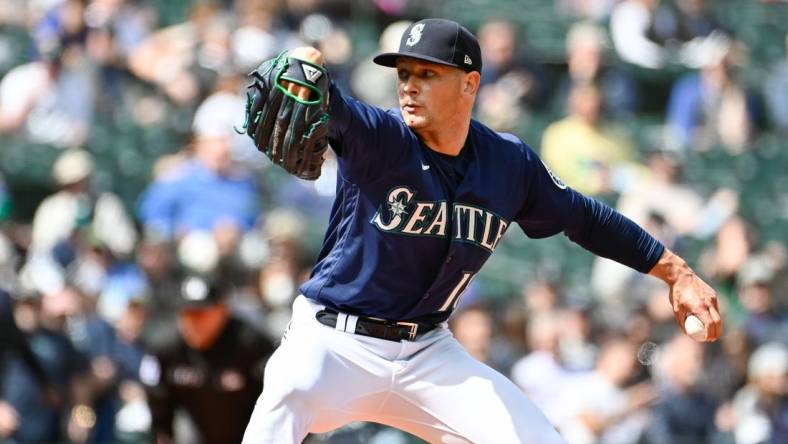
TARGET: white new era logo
(468,60)
(311,73)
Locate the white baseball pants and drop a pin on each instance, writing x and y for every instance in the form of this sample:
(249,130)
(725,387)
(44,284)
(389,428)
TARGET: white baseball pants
(321,378)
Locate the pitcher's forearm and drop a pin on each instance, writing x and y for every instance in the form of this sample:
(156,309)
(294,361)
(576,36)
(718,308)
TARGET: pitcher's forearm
(670,267)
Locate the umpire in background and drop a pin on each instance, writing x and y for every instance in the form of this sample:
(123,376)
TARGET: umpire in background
(212,371)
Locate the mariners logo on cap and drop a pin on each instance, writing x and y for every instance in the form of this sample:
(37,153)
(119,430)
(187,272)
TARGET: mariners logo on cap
(415,34)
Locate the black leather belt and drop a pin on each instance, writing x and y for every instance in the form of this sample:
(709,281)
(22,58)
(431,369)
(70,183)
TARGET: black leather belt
(378,328)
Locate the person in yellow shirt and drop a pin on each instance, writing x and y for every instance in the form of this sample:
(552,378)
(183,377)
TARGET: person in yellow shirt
(579,150)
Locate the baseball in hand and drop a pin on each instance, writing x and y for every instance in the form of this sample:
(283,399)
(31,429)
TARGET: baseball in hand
(694,328)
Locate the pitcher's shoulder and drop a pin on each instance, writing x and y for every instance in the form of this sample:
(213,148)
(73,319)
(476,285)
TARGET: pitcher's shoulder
(499,142)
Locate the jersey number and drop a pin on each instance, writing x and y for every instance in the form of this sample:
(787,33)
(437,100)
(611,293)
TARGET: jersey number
(454,296)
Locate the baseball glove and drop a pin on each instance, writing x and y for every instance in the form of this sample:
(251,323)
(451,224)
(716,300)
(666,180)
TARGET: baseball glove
(291,131)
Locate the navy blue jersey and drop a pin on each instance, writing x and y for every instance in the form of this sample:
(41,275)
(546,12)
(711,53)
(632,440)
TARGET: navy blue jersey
(409,229)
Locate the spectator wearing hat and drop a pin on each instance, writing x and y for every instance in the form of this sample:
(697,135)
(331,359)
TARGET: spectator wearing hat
(213,370)
(76,208)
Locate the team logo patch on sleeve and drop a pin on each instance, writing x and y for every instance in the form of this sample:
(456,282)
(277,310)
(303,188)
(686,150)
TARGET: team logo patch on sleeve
(556,180)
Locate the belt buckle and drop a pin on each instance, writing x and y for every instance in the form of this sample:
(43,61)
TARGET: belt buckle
(414,329)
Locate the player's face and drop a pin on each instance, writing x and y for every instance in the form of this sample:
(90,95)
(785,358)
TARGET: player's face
(429,93)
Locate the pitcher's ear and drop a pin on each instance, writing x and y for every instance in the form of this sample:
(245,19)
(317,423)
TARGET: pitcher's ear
(472,80)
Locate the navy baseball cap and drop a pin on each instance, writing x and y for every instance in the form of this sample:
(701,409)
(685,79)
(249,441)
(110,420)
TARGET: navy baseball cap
(439,41)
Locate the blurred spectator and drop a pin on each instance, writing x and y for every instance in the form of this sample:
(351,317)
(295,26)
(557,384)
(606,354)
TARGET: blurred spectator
(575,344)
(15,41)
(540,297)
(579,149)
(311,200)
(598,407)
(113,356)
(276,260)
(684,413)
(759,411)
(123,284)
(630,26)
(41,415)
(585,46)
(155,259)
(731,249)
(16,348)
(658,200)
(254,40)
(764,320)
(727,364)
(597,10)
(62,20)
(184,59)
(498,40)
(540,373)
(375,84)
(332,39)
(510,83)
(81,211)
(474,329)
(278,286)
(651,36)
(128,21)
(213,370)
(131,415)
(711,107)
(219,113)
(687,28)
(204,193)
(775,91)
(50,101)
(660,191)
(689,20)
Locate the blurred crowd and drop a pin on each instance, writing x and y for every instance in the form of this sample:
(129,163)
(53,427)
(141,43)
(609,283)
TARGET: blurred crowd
(149,254)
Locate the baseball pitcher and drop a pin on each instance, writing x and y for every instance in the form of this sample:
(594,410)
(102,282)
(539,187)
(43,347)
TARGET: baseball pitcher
(424,195)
